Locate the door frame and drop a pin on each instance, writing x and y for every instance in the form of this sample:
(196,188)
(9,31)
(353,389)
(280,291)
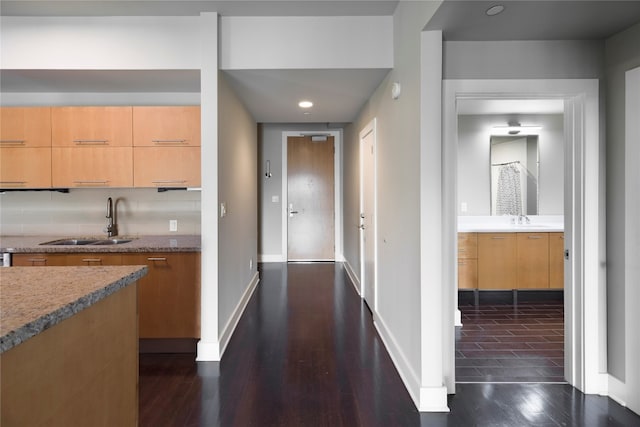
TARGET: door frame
(585,307)
(337,193)
(368,129)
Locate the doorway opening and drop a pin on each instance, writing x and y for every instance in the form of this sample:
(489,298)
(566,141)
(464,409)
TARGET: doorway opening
(510,241)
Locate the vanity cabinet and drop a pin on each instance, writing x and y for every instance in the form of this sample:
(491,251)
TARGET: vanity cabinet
(169,295)
(25,147)
(166,144)
(497,268)
(467,260)
(556,260)
(532,260)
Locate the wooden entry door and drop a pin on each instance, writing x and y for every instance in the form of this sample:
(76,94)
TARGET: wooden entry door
(310,195)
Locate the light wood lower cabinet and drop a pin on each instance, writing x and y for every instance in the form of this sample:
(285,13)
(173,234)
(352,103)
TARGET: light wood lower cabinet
(533,261)
(467,261)
(497,261)
(556,260)
(65,259)
(169,295)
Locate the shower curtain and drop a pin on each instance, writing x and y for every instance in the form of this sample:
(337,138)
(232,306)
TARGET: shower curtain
(509,196)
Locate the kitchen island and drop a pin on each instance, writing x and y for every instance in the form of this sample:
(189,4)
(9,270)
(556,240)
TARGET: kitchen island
(69,345)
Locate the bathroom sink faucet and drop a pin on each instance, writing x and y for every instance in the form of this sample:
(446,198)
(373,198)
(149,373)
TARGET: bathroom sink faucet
(523,219)
(112,227)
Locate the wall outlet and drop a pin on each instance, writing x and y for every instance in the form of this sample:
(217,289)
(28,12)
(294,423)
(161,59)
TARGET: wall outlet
(173,225)
(223,210)
(275,199)
(463,207)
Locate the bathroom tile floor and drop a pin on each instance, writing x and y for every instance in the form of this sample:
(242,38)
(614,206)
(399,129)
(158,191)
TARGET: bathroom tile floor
(504,343)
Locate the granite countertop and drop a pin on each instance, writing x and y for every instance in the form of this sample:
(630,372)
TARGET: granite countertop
(166,243)
(35,299)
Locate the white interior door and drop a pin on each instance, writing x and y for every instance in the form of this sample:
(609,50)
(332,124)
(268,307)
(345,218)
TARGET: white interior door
(368,214)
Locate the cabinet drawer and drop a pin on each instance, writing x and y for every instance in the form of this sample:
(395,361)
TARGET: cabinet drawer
(166,126)
(467,245)
(166,166)
(25,127)
(52,260)
(92,167)
(25,167)
(91,126)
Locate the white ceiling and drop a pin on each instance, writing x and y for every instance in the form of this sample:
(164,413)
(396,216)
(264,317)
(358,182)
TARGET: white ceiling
(272,95)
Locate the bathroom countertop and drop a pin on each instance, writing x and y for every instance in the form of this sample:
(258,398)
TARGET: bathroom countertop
(156,243)
(510,228)
(34,299)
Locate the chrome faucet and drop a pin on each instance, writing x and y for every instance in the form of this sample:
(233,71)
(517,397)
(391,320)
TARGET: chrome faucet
(523,219)
(112,227)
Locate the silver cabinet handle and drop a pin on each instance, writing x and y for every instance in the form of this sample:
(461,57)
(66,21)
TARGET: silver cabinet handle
(169,181)
(12,141)
(156,259)
(168,141)
(37,260)
(534,237)
(497,238)
(91,141)
(92,260)
(13,182)
(91,182)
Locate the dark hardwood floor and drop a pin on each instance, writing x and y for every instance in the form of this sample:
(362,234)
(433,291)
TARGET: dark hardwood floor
(305,353)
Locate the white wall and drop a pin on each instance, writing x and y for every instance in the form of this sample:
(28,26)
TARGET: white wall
(473,161)
(238,190)
(622,55)
(100,43)
(82,212)
(398,317)
(338,42)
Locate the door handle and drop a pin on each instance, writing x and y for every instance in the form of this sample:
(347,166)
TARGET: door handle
(291,211)
(361,227)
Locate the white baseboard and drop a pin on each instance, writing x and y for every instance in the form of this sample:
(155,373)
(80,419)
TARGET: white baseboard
(208,352)
(353,277)
(458,317)
(271,258)
(433,399)
(617,390)
(409,377)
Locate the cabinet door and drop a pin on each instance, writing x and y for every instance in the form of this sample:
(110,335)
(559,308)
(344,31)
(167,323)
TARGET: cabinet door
(25,126)
(468,245)
(166,166)
(163,126)
(497,261)
(81,126)
(533,260)
(168,297)
(25,167)
(92,167)
(556,260)
(467,273)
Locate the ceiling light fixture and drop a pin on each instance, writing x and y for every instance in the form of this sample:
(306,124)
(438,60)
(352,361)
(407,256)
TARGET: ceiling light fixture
(495,10)
(513,130)
(305,104)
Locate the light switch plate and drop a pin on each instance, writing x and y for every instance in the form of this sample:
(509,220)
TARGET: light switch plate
(223,210)
(275,199)
(173,225)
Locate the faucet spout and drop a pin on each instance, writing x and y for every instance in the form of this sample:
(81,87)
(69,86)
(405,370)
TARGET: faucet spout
(112,227)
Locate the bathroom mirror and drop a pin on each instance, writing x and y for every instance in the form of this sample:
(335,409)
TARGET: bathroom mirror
(514,175)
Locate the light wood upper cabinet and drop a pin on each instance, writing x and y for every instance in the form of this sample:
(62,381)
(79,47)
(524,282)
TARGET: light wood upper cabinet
(166,126)
(166,166)
(497,267)
(556,260)
(533,261)
(92,167)
(25,127)
(25,167)
(91,126)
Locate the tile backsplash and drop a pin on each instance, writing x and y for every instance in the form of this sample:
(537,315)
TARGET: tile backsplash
(83,211)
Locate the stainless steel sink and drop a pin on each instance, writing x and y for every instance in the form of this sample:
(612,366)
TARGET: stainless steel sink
(87,241)
(70,242)
(111,242)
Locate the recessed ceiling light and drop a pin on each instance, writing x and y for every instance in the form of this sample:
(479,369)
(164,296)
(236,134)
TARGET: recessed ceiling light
(305,104)
(495,10)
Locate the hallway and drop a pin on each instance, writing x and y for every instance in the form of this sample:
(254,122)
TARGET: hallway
(305,353)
